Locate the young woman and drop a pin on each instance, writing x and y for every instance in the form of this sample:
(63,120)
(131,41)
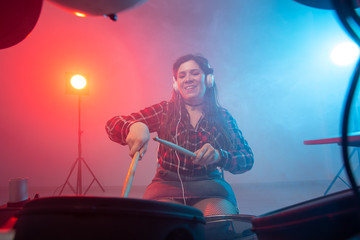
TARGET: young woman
(194,120)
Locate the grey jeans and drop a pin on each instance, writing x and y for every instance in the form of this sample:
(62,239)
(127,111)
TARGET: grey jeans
(166,185)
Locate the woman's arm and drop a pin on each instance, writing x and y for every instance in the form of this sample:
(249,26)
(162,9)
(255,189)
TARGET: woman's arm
(239,157)
(134,129)
(236,157)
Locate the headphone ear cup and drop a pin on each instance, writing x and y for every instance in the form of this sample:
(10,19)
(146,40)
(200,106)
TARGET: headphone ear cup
(210,80)
(175,86)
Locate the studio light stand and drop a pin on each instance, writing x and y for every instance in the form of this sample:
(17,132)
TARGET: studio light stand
(79,161)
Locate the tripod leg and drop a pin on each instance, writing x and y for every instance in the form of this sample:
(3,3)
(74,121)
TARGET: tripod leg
(344,182)
(333,181)
(89,186)
(67,179)
(93,175)
(338,175)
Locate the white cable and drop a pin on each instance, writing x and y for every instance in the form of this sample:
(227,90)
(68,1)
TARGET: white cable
(181,182)
(177,156)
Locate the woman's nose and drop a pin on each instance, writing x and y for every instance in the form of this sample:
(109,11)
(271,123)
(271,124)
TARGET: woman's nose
(189,78)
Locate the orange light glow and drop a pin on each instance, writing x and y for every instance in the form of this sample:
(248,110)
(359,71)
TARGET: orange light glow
(79,14)
(78,81)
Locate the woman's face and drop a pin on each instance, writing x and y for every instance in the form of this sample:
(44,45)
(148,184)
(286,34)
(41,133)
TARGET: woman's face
(191,82)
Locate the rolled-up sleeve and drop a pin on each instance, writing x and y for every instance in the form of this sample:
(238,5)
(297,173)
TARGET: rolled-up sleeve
(118,127)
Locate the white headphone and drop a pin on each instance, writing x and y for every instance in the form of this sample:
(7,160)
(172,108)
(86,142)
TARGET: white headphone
(209,82)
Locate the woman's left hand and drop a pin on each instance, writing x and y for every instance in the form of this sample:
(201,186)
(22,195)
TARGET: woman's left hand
(206,155)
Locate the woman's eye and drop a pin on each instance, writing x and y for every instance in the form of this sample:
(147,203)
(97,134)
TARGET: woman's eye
(195,73)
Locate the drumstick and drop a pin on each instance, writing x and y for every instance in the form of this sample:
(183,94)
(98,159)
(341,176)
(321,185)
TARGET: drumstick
(130,175)
(175,147)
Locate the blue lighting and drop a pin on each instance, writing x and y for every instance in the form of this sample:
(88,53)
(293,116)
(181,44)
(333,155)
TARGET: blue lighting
(345,53)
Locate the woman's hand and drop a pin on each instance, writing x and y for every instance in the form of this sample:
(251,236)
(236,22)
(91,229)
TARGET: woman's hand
(206,155)
(138,139)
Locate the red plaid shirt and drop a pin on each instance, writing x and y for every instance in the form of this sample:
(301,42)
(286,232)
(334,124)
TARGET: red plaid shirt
(237,158)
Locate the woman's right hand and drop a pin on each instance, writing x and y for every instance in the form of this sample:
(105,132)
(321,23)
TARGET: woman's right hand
(138,139)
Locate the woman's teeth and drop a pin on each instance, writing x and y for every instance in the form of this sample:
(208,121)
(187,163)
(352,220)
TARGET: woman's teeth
(189,87)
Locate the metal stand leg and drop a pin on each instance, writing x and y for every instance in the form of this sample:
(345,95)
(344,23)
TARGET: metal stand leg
(338,175)
(79,160)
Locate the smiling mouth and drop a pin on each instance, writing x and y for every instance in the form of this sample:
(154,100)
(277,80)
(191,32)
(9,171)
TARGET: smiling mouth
(189,87)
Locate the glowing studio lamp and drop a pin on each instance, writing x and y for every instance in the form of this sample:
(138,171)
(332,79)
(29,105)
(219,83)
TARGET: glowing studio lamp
(345,53)
(76,84)
(78,81)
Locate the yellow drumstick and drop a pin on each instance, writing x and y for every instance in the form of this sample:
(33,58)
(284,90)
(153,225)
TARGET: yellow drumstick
(130,175)
(175,147)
